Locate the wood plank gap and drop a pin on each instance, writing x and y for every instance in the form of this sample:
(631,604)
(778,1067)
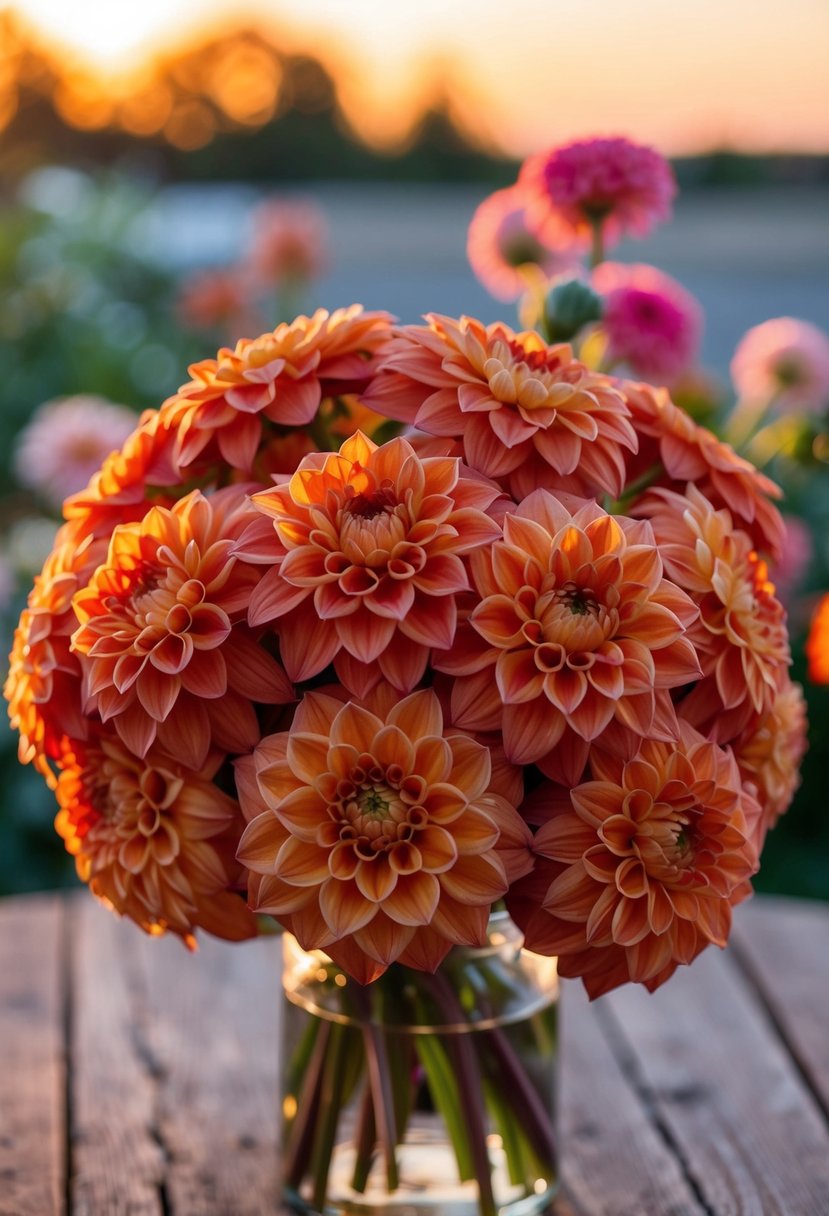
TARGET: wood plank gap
(614,1032)
(753,978)
(68,930)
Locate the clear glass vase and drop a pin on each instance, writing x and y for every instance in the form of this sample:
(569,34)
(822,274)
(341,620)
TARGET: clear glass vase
(422,1093)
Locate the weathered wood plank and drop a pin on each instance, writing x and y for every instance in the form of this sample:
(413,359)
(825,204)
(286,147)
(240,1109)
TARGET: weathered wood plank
(728,1094)
(783,945)
(614,1161)
(116,1157)
(215,1026)
(32,1057)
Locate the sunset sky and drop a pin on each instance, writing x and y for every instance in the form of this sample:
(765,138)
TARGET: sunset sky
(749,74)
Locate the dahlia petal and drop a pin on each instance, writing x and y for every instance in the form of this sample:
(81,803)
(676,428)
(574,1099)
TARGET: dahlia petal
(186,734)
(305,567)
(273,597)
(598,927)
(392,747)
(158,693)
(206,674)
(254,673)
(510,428)
(402,665)
(572,894)
(384,939)
(630,922)
(426,951)
(566,762)
(238,442)
(475,702)
(444,803)
(375,879)
(301,812)
(232,722)
(355,727)
(473,529)
(260,844)
(561,449)
(344,907)
(475,832)
(470,765)
(531,729)
(295,402)
(438,849)
(138,730)
(459,922)
(660,909)
(365,635)
(392,598)
(484,450)
(564,838)
(308,925)
(517,677)
(418,716)
(497,619)
(414,899)
(475,880)
(306,645)
(432,621)
(636,712)
(302,863)
(307,754)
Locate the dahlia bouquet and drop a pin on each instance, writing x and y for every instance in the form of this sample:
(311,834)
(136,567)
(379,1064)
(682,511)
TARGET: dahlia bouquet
(374,630)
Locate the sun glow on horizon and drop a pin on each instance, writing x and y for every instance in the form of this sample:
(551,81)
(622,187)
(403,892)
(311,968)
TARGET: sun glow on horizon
(733,74)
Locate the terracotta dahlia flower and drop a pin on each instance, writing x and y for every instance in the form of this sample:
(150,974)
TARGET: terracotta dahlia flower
(43,687)
(670,440)
(770,749)
(524,411)
(280,377)
(640,873)
(501,248)
(741,635)
(153,840)
(623,186)
(577,627)
(383,840)
(162,651)
(366,547)
(817,643)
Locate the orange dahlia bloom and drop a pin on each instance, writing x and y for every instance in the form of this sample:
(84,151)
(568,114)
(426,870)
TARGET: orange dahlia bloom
(383,840)
(375,535)
(741,633)
(153,840)
(640,873)
(581,628)
(817,643)
(690,453)
(770,749)
(43,687)
(161,649)
(525,411)
(281,376)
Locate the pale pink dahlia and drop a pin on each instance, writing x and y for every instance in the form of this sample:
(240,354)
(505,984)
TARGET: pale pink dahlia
(66,441)
(784,360)
(501,247)
(622,186)
(652,324)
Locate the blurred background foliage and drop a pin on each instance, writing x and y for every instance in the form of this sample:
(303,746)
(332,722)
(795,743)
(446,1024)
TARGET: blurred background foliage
(90,301)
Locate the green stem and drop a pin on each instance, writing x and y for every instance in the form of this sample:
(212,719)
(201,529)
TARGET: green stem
(596,243)
(379,1075)
(364,1141)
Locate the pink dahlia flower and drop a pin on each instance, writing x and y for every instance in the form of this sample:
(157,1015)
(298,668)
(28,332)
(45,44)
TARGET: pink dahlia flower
(652,324)
(289,242)
(66,441)
(625,187)
(500,244)
(787,360)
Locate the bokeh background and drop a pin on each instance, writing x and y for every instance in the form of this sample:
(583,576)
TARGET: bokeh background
(149,152)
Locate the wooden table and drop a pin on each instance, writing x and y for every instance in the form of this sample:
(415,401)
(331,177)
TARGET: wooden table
(138,1080)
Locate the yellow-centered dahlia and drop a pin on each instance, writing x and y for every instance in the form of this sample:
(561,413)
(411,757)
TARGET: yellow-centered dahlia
(366,550)
(163,651)
(383,840)
(525,411)
(641,871)
(577,627)
(153,839)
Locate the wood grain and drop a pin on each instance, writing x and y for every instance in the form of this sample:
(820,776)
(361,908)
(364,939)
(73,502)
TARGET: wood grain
(215,1033)
(783,945)
(614,1160)
(730,1098)
(32,1068)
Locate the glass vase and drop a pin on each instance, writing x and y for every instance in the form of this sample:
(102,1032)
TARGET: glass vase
(422,1093)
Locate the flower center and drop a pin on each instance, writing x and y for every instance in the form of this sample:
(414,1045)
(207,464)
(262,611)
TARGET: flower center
(375,800)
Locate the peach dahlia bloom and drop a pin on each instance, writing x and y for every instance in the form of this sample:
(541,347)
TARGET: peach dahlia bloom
(641,871)
(625,187)
(500,246)
(741,634)
(153,840)
(383,841)
(43,687)
(376,536)
(669,439)
(162,652)
(581,628)
(280,377)
(817,643)
(525,411)
(770,749)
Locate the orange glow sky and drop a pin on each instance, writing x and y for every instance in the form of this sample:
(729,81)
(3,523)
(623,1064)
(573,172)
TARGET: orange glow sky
(685,76)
